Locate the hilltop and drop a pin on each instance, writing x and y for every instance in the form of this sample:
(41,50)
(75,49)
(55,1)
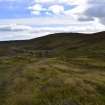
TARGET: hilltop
(57,69)
(59,43)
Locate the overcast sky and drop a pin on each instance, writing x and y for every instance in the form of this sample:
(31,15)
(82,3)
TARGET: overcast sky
(26,19)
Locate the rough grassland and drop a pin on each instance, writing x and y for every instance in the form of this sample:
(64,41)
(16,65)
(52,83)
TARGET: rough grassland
(59,69)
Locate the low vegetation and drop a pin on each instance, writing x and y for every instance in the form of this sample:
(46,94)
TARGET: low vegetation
(58,69)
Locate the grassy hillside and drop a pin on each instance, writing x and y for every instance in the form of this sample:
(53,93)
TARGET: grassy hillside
(58,69)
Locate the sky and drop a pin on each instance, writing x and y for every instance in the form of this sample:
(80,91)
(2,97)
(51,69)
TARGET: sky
(27,19)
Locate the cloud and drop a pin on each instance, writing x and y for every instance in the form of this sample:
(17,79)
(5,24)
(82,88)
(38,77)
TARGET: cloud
(73,2)
(95,9)
(20,36)
(14,28)
(83,10)
(36,17)
(56,9)
(19,32)
(36,9)
(20,29)
(45,1)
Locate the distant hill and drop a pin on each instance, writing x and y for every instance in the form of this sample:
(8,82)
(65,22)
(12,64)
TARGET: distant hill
(64,44)
(57,69)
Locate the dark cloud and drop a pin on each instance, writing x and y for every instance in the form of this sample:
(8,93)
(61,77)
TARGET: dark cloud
(14,28)
(85,18)
(96,9)
(7,29)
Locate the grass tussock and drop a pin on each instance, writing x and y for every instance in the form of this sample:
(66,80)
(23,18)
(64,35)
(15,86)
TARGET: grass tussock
(46,71)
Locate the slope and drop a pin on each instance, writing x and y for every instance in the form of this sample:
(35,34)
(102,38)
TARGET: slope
(58,69)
